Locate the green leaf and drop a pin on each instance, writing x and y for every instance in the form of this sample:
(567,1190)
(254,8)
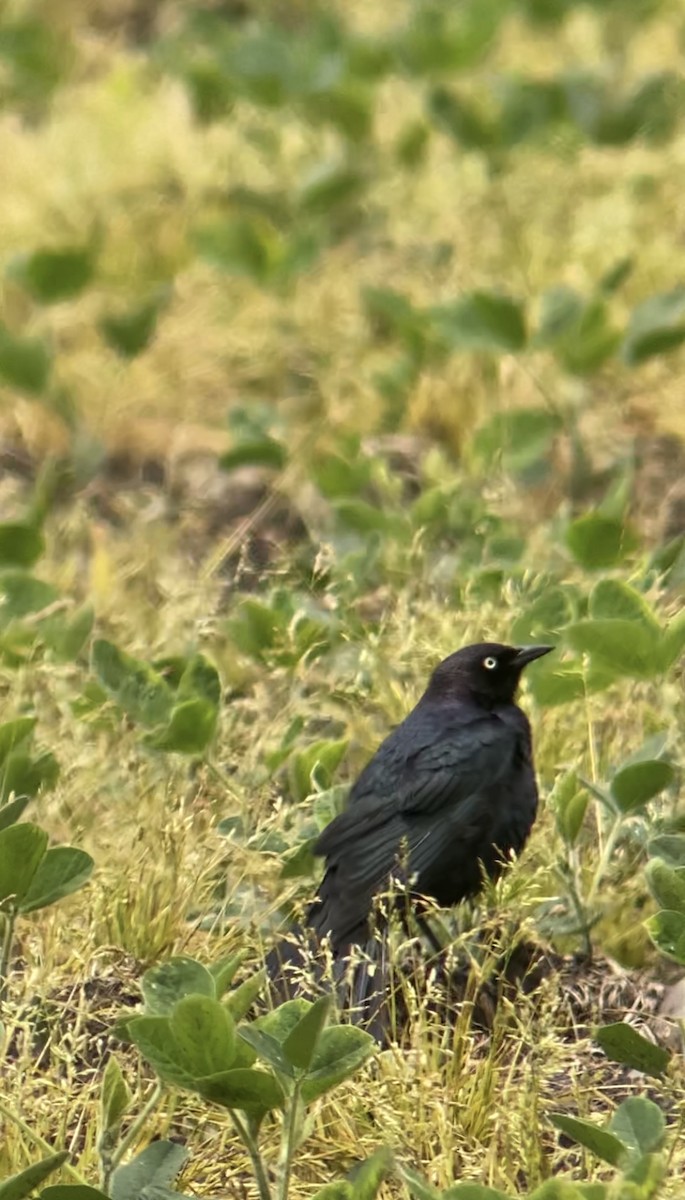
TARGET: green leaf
(634,785)
(13,733)
(461,120)
(366,1177)
(672,642)
(614,599)
(190,729)
(340,1189)
(569,802)
(263,452)
(25,363)
(341,1050)
(21,544)
(53,275)
(281,1021)
(129,333)
(621,1043)
(667,884)
(21,594)
(314,767)
(668,846)
(156,1167)
(17,1187)
(269,1049)
(481,321)
(418,1186)
(73,1191)
(368,518)
(9,813)
(519,439)
(563,1189)
(164,985)
(225,970)
(115,1097)
(240,245)
(139,690)
(67,638)
(627,647)
(473,1191)
(647,1173)
(596,541)
(667,931)
(300,1045)
(639,1123)
(248,1089)
(240,1000)
(24,775)
(156,1042)
(63,870)
(330,187)
(602,1142)
(656,326)
(204,1033)
(22,849)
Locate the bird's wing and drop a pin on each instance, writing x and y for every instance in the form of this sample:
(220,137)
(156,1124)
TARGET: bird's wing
(455,766)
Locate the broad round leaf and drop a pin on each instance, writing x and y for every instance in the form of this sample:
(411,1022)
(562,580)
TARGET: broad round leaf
(154,1039)
(190,729)
(481,321)
(9,813)
(63,870)
(667,884)
(18,1187)
(53,275)
(596,541)
(639,1124)
(300,1045)
(667,931)
(626,646)
(21,594)
(248,1089)
(12,733)
(22,849)
(137,688)
(164,985)
(25,363)
(601,1142)
(115,1096)
(20,544)
(156,1167)
(22,774)
(204,1033)
(342,1049)
(621,1043)
(634,785)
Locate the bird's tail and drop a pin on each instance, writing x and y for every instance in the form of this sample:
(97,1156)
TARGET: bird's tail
(360,980)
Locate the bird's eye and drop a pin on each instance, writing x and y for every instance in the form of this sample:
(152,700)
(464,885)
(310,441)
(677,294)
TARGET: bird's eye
(490,663)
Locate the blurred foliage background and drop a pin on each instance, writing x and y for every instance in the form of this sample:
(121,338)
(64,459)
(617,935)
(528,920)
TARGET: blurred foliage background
(333,336)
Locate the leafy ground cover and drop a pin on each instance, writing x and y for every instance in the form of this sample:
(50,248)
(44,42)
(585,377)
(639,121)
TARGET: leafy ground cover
(331,338)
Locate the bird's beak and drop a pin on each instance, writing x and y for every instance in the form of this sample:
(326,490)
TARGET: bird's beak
(528,654)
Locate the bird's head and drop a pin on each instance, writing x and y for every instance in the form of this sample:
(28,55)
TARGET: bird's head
(487,672)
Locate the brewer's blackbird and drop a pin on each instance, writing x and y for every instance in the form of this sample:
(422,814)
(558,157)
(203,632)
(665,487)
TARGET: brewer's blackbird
(447,796)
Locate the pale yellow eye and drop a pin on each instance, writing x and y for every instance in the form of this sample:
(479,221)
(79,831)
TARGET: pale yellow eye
(490,664)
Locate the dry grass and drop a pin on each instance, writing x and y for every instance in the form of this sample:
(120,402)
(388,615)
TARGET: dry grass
(116,148)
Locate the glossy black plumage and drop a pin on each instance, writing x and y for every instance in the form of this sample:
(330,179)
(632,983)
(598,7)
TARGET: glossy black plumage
(450,792)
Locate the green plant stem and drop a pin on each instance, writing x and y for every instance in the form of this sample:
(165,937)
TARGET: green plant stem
(288,1140)
(131,1134)
(605,859)
(39,1141)
(255,1157)
(9,919)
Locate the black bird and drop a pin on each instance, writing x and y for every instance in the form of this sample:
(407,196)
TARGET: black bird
(447,796)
